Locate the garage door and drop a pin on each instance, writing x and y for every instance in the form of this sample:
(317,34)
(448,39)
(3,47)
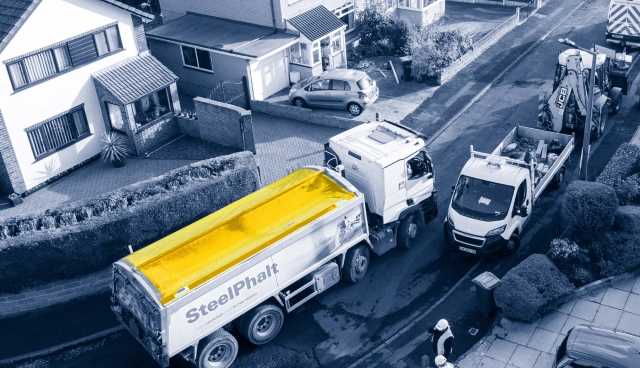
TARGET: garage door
(274,73)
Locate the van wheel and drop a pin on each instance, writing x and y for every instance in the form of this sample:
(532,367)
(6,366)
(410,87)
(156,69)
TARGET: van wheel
(407,231)
(556,182)
(261,324)
(354,109)
(513,244)
(220,350)
(356,264)
(298,101)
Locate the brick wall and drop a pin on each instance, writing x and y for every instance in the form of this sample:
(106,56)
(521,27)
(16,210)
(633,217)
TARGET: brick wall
(155,134)
(303,114)
(139,33)
(13,178)
(220,123)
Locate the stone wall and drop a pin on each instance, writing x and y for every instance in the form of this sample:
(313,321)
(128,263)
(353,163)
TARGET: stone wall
(14,175)
(155,134)
(303,114)
(220,123)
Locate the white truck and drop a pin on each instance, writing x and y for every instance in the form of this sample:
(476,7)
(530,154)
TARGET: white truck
(238,270)
(623,27)
(495,192)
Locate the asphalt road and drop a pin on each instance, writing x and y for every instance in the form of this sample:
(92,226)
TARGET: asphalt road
(346,323)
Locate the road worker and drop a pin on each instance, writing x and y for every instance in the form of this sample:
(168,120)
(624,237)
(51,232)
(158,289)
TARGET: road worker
(442,339)
(441,362)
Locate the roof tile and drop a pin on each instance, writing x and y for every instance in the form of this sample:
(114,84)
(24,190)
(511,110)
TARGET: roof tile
(316,23)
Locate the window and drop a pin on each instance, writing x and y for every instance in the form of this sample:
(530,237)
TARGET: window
(56,60)
(152,106)
(321,85)
(316,52)
(418,166)
(57,133)
(338,85)
(413,4)
(521,194)
(336,42)
(196,58)
(299,54)
(115,116)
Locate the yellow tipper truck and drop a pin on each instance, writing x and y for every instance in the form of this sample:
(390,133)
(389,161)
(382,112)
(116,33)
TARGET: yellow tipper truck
(242,267)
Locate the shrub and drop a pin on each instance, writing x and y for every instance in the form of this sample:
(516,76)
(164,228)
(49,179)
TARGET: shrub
(627,219)
(572,260)
(531,288)
(628,190)
(88,235)
(624,162)
(380,35)
(588,208)
(619,252)
(433,50)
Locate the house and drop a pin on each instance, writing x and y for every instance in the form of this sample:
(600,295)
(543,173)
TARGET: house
(268,43)
(71,70)
(412,12)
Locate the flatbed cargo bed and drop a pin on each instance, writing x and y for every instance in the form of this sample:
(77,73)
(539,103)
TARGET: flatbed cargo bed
(199,252)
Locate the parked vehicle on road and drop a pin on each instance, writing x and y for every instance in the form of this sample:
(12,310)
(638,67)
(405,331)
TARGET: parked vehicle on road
(565,110)
(241,268)
(348,89)
(587,346)
(624,22)
(496,192)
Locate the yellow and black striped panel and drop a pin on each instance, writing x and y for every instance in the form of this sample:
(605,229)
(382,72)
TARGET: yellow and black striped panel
(624,19)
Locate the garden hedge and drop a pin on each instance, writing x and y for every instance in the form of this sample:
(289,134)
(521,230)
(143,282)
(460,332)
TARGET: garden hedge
(89,235)
(588,208)
(624,162)
(531,288)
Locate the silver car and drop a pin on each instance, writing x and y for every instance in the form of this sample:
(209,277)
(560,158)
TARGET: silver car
(587,346)
(346,89)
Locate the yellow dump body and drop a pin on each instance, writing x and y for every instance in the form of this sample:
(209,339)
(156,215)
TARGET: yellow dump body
(198,252)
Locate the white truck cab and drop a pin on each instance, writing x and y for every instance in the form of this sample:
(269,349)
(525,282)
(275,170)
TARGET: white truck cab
(495,193)
(390,165)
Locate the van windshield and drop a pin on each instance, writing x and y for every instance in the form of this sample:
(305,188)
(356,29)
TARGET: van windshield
(482,200)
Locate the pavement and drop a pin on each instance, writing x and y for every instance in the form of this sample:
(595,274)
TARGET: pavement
(533,345)
(353,326)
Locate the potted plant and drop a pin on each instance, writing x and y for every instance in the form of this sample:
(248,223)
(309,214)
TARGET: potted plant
(115,149)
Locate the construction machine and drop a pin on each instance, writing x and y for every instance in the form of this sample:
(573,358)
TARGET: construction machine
(565,110)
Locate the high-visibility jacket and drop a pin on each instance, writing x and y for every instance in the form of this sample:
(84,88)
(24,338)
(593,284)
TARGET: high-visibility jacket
(442,342)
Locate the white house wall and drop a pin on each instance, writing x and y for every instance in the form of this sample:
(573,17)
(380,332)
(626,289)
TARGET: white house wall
(248,11)
(293,8)
(51,22)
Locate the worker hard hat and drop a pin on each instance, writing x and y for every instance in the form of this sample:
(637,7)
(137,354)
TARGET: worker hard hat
(442,325)
(440,361)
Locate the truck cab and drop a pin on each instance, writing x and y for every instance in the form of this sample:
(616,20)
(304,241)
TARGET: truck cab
(390,164)
(490,205)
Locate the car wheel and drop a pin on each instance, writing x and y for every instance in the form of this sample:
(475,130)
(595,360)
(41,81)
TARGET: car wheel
(219,351)
(354,109)
(298,101)
(261,324)
(356,264)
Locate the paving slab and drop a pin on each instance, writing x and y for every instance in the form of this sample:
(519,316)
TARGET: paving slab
(554,321)
(524,357)
(636,287)
(633,304)
(567,307)
(597,295)
(615,298)
(501,350)
(488,362)
(542,340)
(519,332)
(630,323)
(572,321)
(607,317)
(585,309)
(625,285)
(545,360)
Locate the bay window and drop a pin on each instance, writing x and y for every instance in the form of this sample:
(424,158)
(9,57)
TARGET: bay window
(413,4)
(316,52)
(299,54)
(152,107)
(336,42)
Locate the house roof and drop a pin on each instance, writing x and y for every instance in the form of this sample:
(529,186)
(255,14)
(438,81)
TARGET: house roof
(13,14)
(316,23)
(135,77)
(226,35)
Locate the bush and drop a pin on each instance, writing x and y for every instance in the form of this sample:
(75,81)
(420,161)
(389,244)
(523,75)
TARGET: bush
(89,235)
(380,35)
(628,190)
(627,219)
(531,288)
(433,50)
(572,260)
(624,162)
(619,252)
(588,208)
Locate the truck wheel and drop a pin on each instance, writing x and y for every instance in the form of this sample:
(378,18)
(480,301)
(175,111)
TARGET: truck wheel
(261,324)
(219,350)
(601,126)
(356,264)
(407,231)
(513,244)
(616,104)
(557,180)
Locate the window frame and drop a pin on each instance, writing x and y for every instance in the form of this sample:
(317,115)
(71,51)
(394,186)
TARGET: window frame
(20,60)
(77,139)
(195,49)
(138,127)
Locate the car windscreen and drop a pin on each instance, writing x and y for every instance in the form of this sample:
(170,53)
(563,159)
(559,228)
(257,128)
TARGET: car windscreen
(365,83)
(303,82)
(482,200)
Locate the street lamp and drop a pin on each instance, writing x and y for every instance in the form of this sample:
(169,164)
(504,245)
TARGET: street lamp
(586,138)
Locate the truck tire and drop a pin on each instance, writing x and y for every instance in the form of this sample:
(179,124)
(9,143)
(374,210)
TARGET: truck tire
(616,104)
(261,324)
(219,350)
(407,231)
(513,244)
(356,264)
(556,182)
(603,116)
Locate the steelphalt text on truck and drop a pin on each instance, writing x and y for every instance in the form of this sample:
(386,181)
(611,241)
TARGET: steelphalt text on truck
(238,270)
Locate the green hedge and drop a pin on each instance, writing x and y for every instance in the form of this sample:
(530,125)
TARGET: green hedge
(619,173)
(88,235)
(588,208)
(531,288)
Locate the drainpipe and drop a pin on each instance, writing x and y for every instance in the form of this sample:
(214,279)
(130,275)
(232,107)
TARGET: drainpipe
(273,15)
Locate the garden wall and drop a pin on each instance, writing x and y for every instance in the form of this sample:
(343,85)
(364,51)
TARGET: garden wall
(89,235)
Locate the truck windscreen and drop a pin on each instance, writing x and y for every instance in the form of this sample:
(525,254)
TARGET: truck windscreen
(482,200)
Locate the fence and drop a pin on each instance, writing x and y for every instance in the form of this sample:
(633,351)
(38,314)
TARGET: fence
(511,3)
(480,47)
